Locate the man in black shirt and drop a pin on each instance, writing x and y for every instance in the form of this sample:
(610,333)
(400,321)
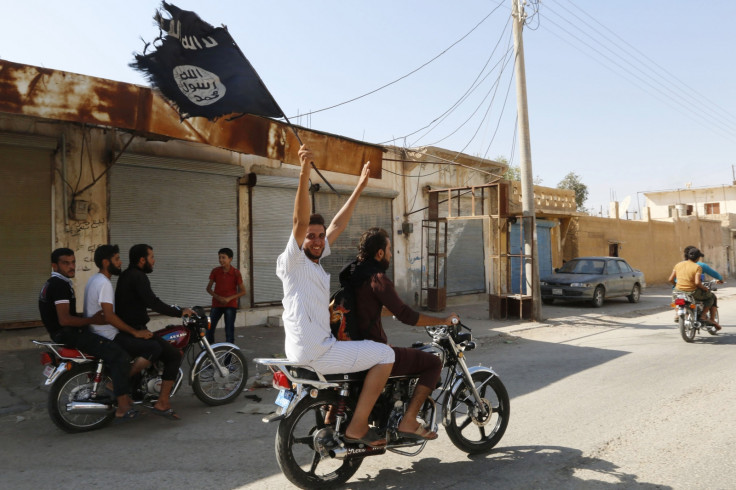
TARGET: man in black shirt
(58,307)
(133,295)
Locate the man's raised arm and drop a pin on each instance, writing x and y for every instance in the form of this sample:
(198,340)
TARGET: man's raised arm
(341,219)
(302,206)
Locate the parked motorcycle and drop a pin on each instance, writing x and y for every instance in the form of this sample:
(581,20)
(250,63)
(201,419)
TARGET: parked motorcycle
(689,312)
(310,445)
(79,399)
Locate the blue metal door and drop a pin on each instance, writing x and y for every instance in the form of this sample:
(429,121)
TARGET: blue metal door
(516,247)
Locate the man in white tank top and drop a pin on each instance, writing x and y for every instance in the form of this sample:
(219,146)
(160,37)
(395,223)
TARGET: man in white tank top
(306,305)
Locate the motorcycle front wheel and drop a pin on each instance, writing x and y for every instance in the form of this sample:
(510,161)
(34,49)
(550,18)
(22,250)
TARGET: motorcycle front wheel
(297,439)
(466,426)
(76,385)
(214,389)
(687,325)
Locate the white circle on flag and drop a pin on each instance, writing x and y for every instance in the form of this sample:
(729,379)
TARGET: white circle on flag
(200,86)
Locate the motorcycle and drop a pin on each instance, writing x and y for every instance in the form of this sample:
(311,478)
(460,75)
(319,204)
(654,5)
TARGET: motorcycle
(689,312)
(314,410)
(79,399)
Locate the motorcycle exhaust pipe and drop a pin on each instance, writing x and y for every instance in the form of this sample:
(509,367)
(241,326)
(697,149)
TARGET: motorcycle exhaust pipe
(351,452)
(89,407)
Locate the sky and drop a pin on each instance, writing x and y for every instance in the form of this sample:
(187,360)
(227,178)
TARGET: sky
(630,95)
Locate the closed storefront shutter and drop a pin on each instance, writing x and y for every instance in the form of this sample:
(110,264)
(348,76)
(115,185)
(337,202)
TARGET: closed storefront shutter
(272,208)
(25,224)
(466,272)
(186,210)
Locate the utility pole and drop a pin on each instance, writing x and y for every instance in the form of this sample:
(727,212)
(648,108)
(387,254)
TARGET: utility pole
(531,267)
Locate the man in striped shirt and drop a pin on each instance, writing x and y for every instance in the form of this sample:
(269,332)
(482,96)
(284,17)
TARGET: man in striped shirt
(306,305)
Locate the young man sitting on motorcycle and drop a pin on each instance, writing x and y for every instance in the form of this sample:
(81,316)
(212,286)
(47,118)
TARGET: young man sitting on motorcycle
(686,278)
(100,296)
(709,271)
(306,300)
(133,296)
(374,291)
(58,307)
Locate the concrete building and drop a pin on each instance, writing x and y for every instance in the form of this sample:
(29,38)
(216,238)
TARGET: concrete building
(87,161)
(716,203)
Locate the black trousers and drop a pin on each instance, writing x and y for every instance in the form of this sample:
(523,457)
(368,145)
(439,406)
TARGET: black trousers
(152,349)
(117,359)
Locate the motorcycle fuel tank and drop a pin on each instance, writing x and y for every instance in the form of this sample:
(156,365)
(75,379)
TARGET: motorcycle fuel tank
(176,335)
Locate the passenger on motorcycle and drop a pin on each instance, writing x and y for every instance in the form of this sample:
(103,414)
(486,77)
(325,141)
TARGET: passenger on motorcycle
(100,296)
(306,315)
(58,307)
(707,270)
(374,291)
(133,296)
(687,278)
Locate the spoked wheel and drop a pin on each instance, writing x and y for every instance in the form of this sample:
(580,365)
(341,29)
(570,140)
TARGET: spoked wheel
(303,442)
(76,385)
(687,325)
(211,386)
(466,426)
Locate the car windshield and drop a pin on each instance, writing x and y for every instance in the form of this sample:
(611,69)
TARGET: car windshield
(583,266)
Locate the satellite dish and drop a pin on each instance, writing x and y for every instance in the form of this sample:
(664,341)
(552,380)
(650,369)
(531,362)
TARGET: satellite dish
(624,207)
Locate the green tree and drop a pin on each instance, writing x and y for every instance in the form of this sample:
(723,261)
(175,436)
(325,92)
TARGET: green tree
(513,172)
(572,182)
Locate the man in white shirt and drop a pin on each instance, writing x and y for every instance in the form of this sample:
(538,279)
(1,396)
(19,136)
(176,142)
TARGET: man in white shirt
(306,316)
(99,296)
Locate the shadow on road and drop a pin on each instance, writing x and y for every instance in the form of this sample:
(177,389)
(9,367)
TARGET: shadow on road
(510,468)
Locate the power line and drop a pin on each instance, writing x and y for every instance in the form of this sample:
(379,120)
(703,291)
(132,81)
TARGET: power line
(672,102)
(667,72)
(411,72)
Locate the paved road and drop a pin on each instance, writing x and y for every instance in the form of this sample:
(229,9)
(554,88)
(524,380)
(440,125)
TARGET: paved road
(600,398)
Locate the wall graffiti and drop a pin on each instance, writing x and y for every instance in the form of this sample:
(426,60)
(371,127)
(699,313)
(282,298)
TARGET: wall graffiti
(76,228)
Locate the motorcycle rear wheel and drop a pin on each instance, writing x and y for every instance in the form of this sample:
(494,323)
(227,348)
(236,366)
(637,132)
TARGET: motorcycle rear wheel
(687,329)
(295,449)
(211,387)
(465,427)
(75,385)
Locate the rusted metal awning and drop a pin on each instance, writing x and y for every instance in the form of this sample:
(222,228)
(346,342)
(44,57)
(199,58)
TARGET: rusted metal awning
(58,95)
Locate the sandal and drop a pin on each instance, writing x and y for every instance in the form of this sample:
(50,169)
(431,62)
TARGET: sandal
(371,438)
(129,415)
(421,433)
(169,414)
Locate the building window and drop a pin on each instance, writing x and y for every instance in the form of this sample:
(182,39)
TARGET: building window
(684,210)
(712,208)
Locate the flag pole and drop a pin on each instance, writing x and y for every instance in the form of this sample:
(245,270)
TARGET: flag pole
(293,128)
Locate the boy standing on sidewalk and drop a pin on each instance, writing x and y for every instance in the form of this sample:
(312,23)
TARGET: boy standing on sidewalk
(228,288)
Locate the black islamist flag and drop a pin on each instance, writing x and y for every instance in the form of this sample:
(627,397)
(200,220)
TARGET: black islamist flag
(202,71)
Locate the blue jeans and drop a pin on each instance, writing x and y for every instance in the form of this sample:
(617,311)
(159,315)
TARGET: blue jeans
(215,315)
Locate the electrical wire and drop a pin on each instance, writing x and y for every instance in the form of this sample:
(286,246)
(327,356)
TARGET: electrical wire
(411,72)
(656,92)
(651,62)
(473,86)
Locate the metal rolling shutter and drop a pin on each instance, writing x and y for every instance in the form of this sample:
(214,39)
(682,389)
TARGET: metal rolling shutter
(186,210)
(272,207)
(25,224)
(466,272)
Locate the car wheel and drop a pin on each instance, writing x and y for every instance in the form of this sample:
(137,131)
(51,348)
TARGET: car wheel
(599,295)
(635,294)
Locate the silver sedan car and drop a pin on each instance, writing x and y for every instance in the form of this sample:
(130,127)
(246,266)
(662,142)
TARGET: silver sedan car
(593,279)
